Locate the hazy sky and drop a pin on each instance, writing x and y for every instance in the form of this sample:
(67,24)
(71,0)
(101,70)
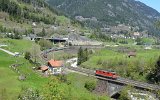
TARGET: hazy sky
(152,3)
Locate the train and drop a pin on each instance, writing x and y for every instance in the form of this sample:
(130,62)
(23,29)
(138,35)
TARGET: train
(107,74)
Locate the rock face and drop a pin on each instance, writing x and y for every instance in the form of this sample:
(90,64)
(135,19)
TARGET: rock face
(109,12)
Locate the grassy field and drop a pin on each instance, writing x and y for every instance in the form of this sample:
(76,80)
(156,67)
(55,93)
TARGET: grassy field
(9,77)
(9,80)
(16,45)
(77,88)
(11,86)
(135,67)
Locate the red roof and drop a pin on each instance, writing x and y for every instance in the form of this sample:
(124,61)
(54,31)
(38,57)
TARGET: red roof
(55,63)
(44,68)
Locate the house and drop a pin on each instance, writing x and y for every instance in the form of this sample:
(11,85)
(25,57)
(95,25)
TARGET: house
(55,67)
(136,34)
(132,53)
(44,69)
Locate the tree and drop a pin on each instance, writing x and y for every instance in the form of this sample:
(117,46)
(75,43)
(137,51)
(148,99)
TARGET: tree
(85,54)
(53,90)
(80,56)
(27,55)
(43,33)
(1,28)
(139,41)
(157,24)
(158,94)
(124,93)
(45,44)
(35,52)
(157,71)
(90,85)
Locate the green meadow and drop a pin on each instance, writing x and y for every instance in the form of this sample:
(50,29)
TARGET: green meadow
(10,85)
(9,77)
(16,45)
(135,67)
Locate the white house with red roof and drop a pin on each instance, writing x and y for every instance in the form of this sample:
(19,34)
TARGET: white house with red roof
(55,67)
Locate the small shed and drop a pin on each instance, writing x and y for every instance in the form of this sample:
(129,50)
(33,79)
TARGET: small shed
(132,53)
(44,68)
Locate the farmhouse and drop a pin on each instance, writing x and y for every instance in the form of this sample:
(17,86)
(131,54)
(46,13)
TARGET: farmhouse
(55,67)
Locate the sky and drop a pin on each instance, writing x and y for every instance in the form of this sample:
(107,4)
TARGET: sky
(152,3)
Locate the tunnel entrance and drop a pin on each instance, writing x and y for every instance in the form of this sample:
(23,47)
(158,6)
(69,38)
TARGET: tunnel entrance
(116,96)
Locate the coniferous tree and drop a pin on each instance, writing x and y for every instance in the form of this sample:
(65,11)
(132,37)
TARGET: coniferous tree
(85,54)
(157,71)
(80,56)
(43,33)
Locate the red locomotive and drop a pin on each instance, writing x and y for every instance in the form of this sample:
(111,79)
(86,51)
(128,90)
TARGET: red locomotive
(108,74)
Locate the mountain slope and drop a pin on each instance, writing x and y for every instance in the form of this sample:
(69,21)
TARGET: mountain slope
(30,16)
(110,12)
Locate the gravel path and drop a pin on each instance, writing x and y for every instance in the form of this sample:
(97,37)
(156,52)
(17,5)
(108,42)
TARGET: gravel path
(10,53)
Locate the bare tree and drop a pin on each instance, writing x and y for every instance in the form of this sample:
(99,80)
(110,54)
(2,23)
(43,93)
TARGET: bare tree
(35,52)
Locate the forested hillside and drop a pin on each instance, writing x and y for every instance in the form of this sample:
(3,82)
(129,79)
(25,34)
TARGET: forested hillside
(31,16)
(18,10)
(104,13)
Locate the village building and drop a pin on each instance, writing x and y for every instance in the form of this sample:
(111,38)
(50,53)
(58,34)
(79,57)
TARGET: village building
(136,34)
(55,67)
(44,69)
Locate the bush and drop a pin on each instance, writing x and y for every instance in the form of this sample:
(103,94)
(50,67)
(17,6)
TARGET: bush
(45,44)
(99,62)
(90,85)
(124,93)
(30,94)
(27,55)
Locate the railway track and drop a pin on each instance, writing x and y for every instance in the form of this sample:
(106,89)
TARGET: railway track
(120,80)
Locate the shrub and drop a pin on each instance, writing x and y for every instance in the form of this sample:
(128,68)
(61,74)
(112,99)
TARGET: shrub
(90,85)
(124,93)
(99,62)
(30,94)
(27,55)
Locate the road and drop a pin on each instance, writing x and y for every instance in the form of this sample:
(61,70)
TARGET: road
(9,52)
